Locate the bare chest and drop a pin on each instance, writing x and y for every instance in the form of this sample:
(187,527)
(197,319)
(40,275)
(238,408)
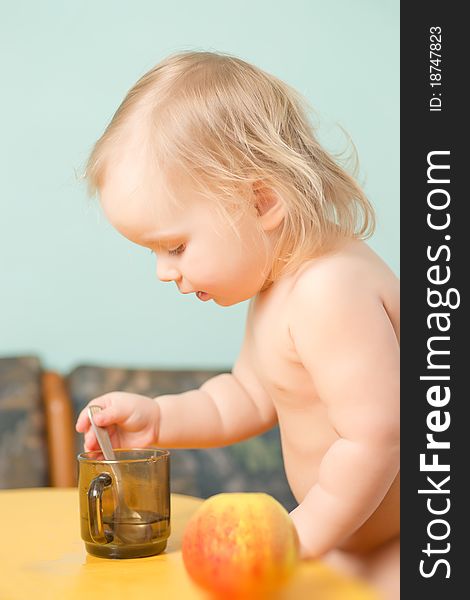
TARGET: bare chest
(306,433)
(272,351)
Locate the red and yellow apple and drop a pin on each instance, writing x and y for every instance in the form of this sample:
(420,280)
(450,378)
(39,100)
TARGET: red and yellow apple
(240,545)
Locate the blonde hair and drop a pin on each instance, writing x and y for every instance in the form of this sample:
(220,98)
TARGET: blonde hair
(231,125)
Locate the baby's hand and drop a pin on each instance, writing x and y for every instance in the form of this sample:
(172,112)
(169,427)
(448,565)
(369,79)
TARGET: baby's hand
(132,421)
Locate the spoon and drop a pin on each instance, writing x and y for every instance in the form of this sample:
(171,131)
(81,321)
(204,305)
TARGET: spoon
(129,525)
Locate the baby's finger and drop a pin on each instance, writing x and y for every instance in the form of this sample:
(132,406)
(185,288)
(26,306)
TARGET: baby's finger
(110,415)
(83,422)
(90,443)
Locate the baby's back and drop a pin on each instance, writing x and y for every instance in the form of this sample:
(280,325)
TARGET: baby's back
(384,524)
(306,430)
(381,277)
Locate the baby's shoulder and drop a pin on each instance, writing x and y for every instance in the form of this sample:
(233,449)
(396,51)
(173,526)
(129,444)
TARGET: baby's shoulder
(352,271)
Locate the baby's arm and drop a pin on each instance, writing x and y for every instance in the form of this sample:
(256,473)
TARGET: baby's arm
(226,409)
(346,341)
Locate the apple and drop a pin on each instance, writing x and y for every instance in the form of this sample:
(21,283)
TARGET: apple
(240,545)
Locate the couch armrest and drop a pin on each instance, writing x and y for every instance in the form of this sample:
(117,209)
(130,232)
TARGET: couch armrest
(60,430)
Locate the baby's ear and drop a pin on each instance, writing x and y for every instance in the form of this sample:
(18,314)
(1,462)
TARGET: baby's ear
(269,206)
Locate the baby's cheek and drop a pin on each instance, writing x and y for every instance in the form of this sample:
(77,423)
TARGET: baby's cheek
(207,269)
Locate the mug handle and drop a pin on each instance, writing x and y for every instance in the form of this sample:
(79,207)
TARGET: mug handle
(95,509)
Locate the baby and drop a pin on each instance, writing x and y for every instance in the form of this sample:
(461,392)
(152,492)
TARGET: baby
(213,165)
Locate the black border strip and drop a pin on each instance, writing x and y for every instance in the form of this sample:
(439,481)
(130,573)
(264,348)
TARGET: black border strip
(434,269)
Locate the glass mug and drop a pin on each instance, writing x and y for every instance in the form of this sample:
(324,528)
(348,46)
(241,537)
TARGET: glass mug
(125,503)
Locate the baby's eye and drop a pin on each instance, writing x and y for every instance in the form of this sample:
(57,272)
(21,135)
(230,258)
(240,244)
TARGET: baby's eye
(177,250)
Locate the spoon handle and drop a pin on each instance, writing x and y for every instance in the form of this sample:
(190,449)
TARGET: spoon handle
(101,434)
(104,442)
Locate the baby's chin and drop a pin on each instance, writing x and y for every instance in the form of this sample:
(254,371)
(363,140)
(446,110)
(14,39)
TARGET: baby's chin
(233,297)
(231,301)
(227,302)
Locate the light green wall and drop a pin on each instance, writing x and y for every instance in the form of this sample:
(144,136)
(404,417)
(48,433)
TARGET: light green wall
(73,290)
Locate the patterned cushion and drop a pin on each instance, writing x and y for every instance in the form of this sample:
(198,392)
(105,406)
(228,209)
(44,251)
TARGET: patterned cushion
(23,444)
(252,465)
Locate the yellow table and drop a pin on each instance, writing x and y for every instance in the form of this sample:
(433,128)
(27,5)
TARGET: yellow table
(43,557)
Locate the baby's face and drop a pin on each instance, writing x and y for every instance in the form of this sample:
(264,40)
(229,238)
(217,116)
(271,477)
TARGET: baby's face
(195,245)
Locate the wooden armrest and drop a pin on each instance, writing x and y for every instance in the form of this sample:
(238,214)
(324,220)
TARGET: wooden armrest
(60,430)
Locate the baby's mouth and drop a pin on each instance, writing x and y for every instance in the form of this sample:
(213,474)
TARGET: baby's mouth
(203,296)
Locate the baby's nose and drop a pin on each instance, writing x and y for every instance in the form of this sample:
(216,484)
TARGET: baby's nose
(167,272)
